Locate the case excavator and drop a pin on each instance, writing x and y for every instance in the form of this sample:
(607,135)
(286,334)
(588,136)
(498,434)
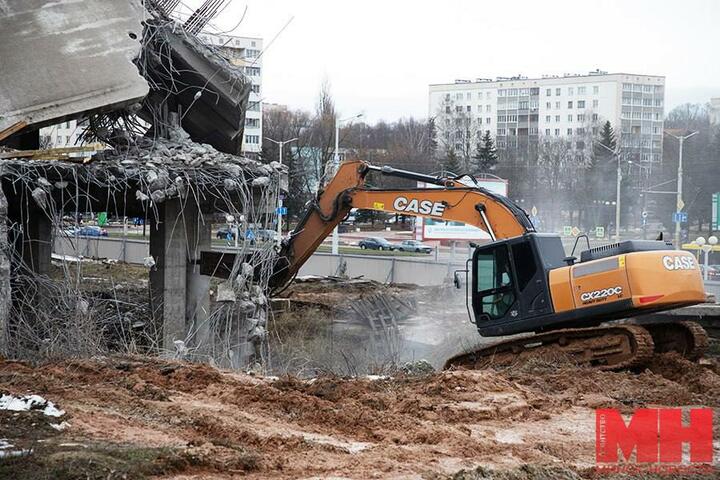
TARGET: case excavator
(522,282)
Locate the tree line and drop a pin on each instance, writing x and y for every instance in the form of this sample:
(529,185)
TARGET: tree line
(570,180)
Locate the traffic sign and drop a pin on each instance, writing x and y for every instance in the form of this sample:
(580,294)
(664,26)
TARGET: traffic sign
(680,204)
(575,231)
(716,211)
(644,214)
(567,230)
(680,217)
(600,232)
(534,211)
(281,210)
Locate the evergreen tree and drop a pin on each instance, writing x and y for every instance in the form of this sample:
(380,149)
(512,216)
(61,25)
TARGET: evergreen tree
(451,163)
(486,156)
(607,136)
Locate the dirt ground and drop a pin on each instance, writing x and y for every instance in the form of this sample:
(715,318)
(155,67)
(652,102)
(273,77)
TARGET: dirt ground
(133,417)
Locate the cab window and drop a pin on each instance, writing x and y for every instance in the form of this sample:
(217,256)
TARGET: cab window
(494,287)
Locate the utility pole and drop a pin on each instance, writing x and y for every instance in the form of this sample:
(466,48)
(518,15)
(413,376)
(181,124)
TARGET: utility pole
(617,190)
(680,204)
(336,160)
(280,145)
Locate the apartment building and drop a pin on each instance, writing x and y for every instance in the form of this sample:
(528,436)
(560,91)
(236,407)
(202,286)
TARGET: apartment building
(245,52)
(63,134)
(521,111)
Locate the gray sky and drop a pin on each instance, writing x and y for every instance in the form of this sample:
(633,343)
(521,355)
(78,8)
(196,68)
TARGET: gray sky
(380,56)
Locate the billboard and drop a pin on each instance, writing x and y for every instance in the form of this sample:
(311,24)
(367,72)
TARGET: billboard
(434,229)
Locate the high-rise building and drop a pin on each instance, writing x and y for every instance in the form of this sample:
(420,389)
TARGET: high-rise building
(63,134)
(523,111)
(245,52)
(715,111)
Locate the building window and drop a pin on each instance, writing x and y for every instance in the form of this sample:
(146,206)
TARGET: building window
(252,139)
(252,71)
(627,87)
(547,132)
(447,108)
(557,118)
(252,122)
(547,118)
(596,90)
(255,88)
(250,53)
(581,90)
(557,105)
(595,117)
(557,132)
(557,92)
(512,118)
(581,103)
(571,91)
(570,104)
(487,120)
(581,117)
(569,131)
(501,131)
(595,103)
(502,118)
(501,92)
(468,95)
(469,108)
(548,105)
(254,106)
(488,108)
(570,118)
(548,92)
(458,108)
(512,92)
(458,96)
(524,105)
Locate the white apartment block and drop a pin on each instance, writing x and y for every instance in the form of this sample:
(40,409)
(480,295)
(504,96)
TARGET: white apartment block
(245,52)
(63,134)
(714,107)
(519,111)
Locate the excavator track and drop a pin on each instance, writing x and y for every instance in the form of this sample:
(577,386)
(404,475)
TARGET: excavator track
(607,348)
(687,338)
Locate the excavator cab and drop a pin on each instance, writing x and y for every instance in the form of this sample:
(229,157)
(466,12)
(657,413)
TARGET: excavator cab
(509,286)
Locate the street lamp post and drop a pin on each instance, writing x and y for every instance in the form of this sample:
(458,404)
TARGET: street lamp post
(706,247)
(617,190)
(280,145)
(336,161)
(679,203)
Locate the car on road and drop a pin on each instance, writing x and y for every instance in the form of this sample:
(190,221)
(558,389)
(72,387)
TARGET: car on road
(225,233)
(376,243)
(87,231)
(713,271)
(414,246)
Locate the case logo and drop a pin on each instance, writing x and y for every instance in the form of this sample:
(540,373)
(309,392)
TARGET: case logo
(678,262)
(422,207)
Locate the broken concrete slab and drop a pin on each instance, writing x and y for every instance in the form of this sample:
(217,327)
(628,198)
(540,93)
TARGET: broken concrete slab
(81,59)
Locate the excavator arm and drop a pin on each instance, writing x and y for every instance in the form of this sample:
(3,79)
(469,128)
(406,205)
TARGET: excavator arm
(450,200)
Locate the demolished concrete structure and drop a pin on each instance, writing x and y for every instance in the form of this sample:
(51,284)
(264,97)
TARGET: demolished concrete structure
(178,182)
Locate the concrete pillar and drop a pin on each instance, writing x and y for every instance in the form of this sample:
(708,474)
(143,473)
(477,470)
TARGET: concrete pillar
(37,241)
(168,279)
(197,307)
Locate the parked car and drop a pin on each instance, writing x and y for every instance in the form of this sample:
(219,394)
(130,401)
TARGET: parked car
(414,246)
(713,271)
(376,243)
(87,231)
(225,233)
(266,235)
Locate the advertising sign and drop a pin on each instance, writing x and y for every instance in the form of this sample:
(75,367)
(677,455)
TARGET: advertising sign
(432,229)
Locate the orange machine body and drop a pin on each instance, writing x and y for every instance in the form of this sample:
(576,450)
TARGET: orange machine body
(654,280)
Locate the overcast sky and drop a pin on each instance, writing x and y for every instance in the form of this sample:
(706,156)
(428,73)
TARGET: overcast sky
(380,56)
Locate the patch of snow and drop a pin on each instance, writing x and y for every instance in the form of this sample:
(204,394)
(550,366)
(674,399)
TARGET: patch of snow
(60,426)
(4,444)
(373,378)
(29,402)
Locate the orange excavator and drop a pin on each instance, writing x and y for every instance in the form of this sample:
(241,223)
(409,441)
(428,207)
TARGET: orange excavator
(523,281)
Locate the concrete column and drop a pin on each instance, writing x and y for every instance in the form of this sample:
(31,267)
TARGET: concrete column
(37,241)
(197,307)
(168,279)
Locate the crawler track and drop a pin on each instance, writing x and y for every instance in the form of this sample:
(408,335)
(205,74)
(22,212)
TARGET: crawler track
(607,348)
(687,338)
